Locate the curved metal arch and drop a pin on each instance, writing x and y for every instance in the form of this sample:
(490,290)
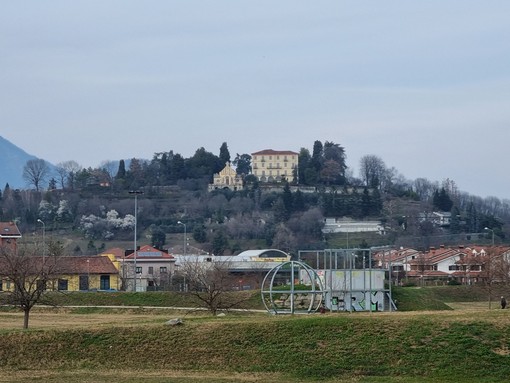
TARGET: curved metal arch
(316,289)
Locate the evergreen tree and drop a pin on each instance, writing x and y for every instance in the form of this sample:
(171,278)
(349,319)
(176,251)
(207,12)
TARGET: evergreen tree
(317,156)
(335,152)
(121,172)
(177,168)
(299,201)
(158,237)
(224,154)
(280,213)
(287,199)
(220,243)
(304,160)
(365,202)
(52,185)
(203,164)
(199,234)
(243,164)
(442,200)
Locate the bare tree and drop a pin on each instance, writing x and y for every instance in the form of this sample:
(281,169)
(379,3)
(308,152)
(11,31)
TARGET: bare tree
(372,170)
(424,188)
(66,171)
(494,271)
(284,239)
(36,172)
(27,274)
(212,284)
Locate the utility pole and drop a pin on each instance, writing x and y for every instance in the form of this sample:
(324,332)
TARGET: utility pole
(136,193)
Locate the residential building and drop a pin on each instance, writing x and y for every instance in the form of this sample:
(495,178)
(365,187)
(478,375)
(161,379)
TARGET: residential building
(227,178)
(347,225)
(274,166)
(467,265)
(84,273)
(154,268)
(9,234)
(73,273)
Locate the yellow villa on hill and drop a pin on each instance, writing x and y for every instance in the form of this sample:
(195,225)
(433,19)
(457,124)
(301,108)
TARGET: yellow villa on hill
(274,165)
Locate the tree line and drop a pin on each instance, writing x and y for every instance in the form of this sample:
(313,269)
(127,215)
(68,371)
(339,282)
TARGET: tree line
(94,201)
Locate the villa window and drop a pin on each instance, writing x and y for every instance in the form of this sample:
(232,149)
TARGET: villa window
(151,270)
(163,269)
(138,269)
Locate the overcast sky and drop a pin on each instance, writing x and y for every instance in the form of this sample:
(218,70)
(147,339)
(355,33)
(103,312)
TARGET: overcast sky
(425,85)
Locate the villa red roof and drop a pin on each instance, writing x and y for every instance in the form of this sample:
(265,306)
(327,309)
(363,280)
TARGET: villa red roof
(271,152)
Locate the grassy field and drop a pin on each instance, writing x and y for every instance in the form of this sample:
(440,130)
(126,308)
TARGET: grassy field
(83,345)
(439,334)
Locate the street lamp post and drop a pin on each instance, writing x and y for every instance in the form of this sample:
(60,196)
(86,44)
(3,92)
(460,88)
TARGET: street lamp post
(88,274)
(185,237)
(43,239)
(492,231)
(489,271)
(136,193)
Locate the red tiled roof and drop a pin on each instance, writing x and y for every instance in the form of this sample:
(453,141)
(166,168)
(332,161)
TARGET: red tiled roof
(85,264)
(271,152)
(9,230)
(70,265)
(145,253)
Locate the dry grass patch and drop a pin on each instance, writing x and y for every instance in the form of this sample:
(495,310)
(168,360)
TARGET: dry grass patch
(159,376)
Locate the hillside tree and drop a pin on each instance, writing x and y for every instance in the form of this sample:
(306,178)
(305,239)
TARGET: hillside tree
(36,172)
(372,169)
(224,154)
(243,164)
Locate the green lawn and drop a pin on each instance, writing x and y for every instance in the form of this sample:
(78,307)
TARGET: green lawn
(439,334)
(470,346)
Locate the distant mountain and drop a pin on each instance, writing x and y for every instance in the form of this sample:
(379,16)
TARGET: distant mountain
(13,159)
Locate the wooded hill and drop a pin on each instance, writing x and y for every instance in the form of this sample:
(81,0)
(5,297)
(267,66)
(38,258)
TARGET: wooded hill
(92,208)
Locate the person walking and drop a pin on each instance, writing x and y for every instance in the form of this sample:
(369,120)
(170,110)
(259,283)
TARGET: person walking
(503,302)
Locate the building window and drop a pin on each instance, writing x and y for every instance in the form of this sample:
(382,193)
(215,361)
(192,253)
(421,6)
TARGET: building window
(151,270)
(1,285)
(138,269)
(162,269)
(63,285)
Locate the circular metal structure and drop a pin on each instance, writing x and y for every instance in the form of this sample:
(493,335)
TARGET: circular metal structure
(292,288)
